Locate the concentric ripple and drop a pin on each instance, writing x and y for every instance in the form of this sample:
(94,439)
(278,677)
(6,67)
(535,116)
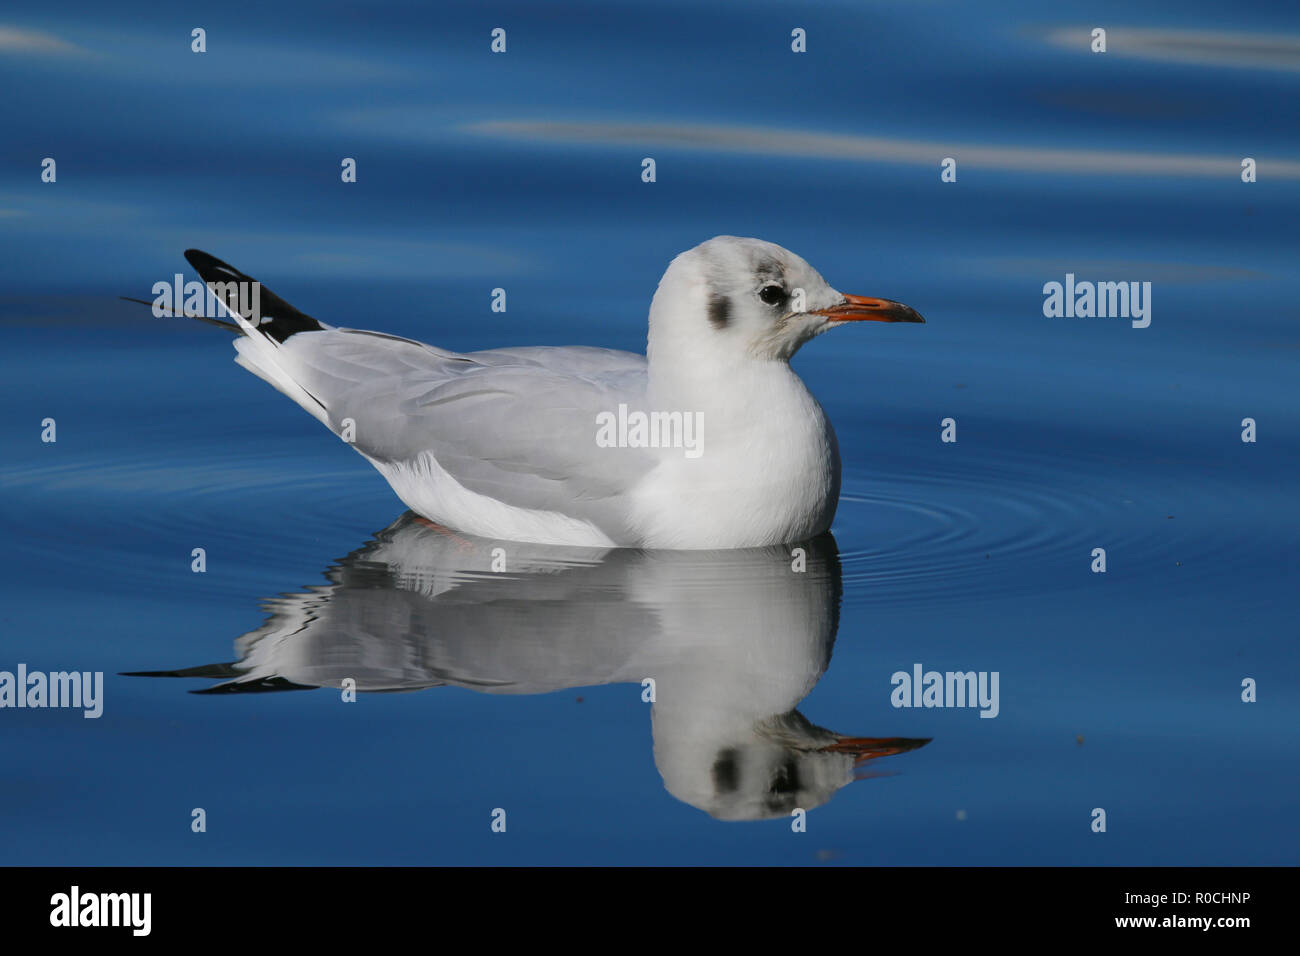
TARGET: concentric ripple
(987,527)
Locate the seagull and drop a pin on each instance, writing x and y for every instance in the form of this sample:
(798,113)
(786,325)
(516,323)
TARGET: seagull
(708,441)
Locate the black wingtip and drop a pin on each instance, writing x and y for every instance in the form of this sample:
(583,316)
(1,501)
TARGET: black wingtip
(212,269)
(272,316)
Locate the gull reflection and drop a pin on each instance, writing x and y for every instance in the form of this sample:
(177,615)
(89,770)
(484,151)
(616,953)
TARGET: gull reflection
(733,641)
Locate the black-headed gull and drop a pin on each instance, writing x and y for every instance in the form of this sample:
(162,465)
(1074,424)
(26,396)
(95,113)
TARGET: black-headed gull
(710,440)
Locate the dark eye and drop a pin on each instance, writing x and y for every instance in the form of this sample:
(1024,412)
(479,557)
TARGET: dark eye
(772,294)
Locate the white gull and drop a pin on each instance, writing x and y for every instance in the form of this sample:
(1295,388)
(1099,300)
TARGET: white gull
(507,443)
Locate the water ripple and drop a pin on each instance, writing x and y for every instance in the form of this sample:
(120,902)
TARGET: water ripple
(1012,526)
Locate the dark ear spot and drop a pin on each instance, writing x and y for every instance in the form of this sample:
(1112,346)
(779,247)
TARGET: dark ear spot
(726,771)
(719,311)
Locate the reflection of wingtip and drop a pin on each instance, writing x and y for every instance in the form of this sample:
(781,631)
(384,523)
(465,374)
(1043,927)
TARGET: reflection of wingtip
(235,681)
(260,686)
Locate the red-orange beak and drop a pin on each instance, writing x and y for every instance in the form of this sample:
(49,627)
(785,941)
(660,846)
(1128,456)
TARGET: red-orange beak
(860,308)
(863,749)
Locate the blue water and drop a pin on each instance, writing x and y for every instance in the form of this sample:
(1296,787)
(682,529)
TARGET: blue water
(1119,691)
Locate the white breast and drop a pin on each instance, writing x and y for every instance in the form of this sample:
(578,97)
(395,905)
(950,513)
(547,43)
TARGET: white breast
(769,471)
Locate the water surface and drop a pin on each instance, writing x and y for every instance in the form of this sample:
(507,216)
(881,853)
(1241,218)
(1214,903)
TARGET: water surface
(523,690)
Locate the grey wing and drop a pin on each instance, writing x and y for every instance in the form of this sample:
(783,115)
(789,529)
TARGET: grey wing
(518,425)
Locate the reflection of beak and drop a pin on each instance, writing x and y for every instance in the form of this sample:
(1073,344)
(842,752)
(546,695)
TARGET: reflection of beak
(859,308)
(869,748)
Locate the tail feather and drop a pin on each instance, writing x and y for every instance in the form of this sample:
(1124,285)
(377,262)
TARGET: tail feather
(265,359)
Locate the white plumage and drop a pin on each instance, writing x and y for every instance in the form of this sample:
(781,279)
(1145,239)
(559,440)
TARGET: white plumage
(505,443)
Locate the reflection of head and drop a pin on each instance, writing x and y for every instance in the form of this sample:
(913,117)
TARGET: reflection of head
(778,766)
(733,641)
(781,764)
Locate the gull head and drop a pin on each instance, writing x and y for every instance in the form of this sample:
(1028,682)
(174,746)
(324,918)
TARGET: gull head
(746,298)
